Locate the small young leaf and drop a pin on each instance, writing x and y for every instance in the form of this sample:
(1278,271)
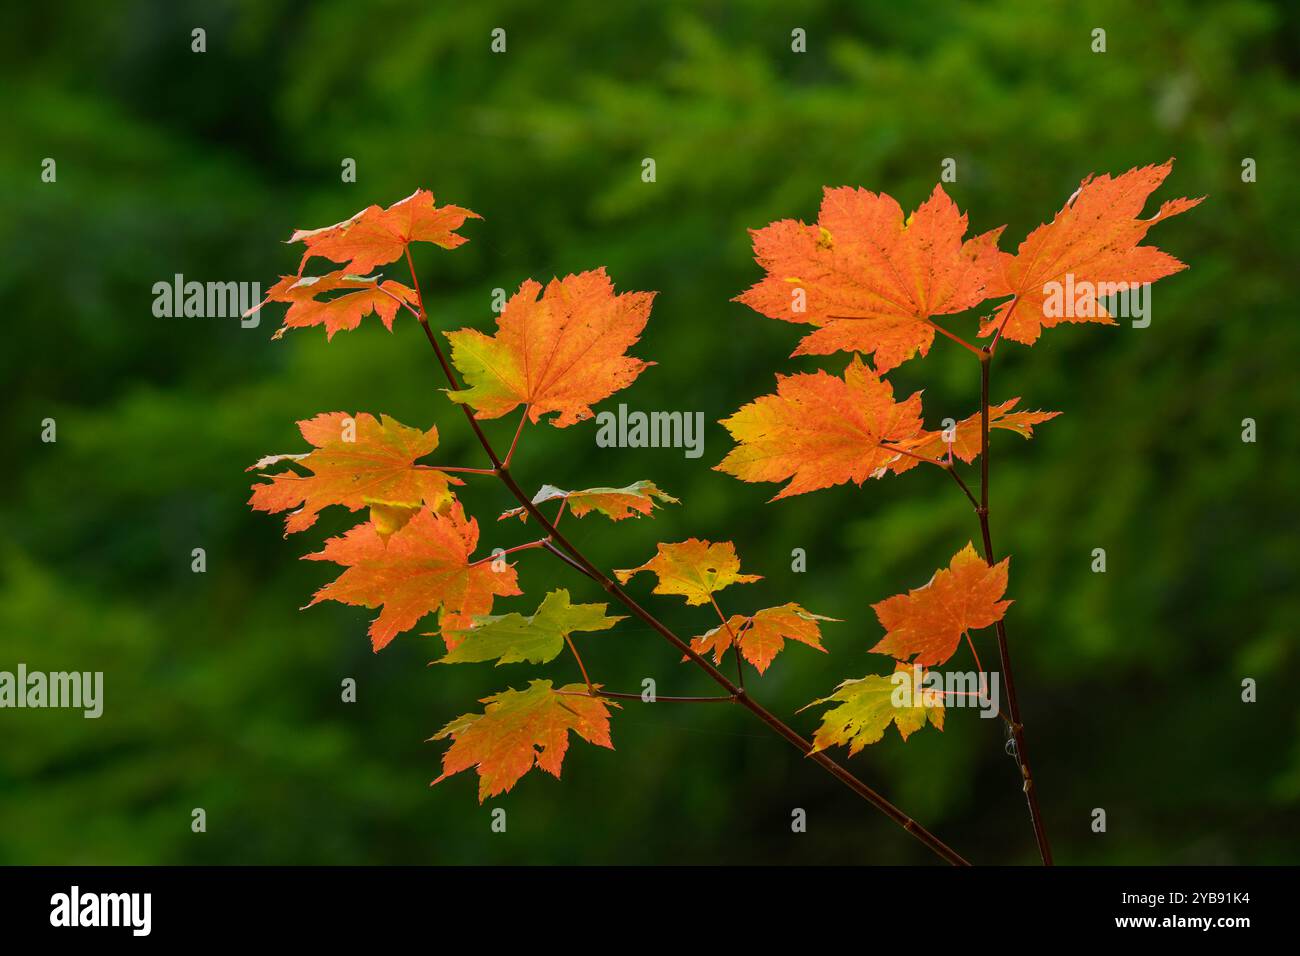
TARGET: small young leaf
(538,638)
(522,729)
(359,296)
(615,503)
(377,236)
(762,635)
(694,569)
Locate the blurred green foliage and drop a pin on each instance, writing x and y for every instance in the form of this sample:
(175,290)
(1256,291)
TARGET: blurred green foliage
(220,694)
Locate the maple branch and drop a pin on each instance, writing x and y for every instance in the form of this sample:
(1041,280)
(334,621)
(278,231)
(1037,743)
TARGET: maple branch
(556,541)
(423,316)
(931,841)
(1013,705)
(550,546)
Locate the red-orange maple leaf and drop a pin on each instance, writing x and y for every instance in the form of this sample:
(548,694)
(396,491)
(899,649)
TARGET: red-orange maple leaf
(562,352)
(522,729)
(358,462)
(964,438)
(869,280)
(422,568)
(1093,241)
(358,296)
(926,624)
(762,635)
(377,236)
(694,569)
(819,431)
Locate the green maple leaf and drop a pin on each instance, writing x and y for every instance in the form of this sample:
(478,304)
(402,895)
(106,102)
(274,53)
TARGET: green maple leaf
(510,638)
(867,709)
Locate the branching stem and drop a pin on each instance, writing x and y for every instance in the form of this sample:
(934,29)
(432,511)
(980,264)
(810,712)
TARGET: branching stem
(557,544)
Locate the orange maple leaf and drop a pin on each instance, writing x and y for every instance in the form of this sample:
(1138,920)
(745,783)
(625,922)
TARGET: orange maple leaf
(694,569)
(762,635)
(1093,240)
(560,353)
(926,623)
(422,568)
(964,438)
(819,431)
(522,729)
(376,236)
(869,280)
(359,296)
(358,462)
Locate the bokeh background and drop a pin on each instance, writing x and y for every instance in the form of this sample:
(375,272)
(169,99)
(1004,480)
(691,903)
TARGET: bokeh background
(221,694)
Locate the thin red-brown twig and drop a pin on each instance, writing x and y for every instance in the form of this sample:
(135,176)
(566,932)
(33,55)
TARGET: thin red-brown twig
(1004,652)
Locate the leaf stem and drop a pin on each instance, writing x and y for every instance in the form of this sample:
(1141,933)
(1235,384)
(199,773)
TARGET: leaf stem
(910,454)
(735,643)
(948,467)
(928,321)
(997,336)
(454,469)
(504,551)
(582,667)
(523,420)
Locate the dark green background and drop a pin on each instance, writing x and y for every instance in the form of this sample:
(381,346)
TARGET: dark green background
(220,694)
